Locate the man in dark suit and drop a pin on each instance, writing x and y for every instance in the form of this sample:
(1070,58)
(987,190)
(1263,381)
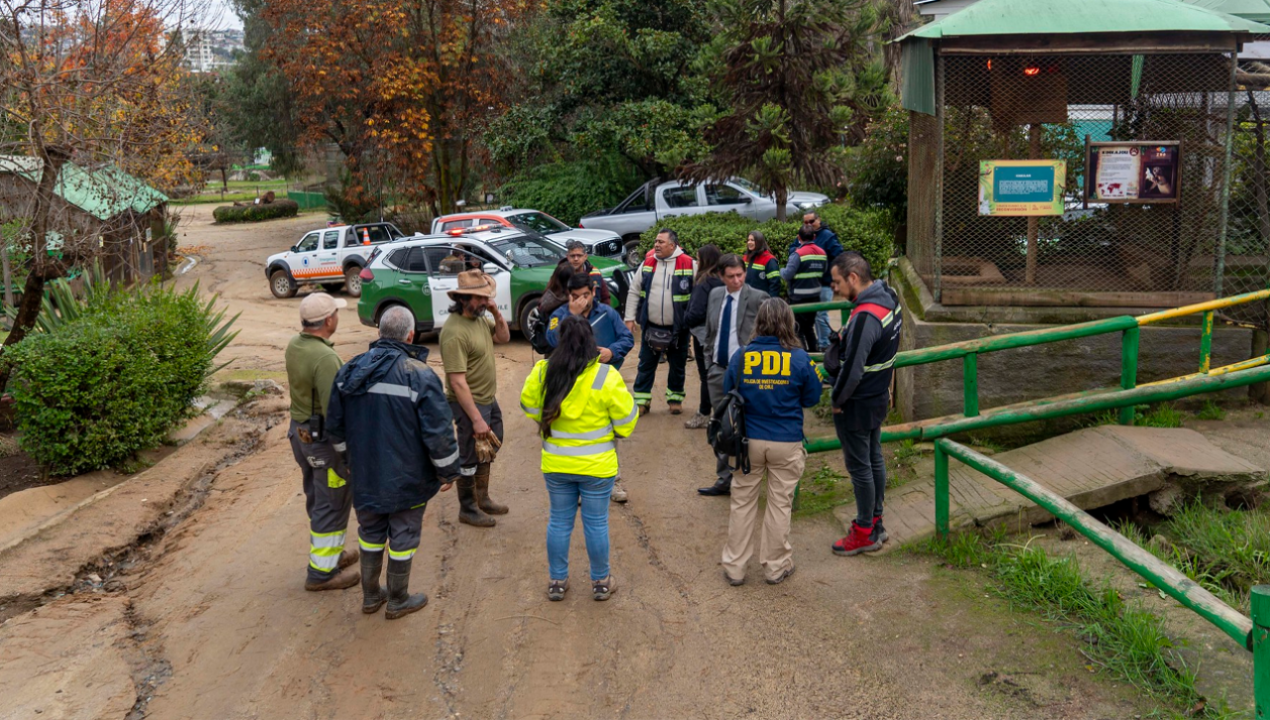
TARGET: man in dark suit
(730,316)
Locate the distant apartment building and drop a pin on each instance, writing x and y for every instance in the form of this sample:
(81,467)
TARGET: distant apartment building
(206,50)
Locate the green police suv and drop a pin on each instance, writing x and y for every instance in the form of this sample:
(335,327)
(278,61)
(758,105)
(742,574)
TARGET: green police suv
(416,272)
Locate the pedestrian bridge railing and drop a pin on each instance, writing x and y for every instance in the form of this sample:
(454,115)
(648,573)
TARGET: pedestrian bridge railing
(973,417)
(1252,634)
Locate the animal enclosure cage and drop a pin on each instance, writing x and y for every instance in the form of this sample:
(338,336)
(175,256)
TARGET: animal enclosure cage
(1135,152)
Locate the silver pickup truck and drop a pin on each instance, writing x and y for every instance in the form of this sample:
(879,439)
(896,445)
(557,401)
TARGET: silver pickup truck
(656,200)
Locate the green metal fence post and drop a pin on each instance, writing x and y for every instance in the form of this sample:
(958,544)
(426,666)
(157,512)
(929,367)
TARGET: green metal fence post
(1128,368)
(941,490)
(970,383)
(1206,343)
(1261,650)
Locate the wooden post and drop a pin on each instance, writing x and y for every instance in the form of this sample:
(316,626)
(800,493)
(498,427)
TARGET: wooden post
(1033,223)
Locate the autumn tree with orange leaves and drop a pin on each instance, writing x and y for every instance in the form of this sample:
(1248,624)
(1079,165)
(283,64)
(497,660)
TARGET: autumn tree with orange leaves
(402,88)
(95,82)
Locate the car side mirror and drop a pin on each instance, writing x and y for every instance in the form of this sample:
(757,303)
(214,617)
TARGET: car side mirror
(492,268)
(746,200)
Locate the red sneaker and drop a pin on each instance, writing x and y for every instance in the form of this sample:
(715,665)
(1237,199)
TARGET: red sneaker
(860,540)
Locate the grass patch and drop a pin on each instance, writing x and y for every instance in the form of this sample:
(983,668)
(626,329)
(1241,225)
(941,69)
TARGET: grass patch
(1225,551)
(822,489)
(902,465)
(9,447)
(239,191)
(1211,411)
(1120,639)
(1163,415)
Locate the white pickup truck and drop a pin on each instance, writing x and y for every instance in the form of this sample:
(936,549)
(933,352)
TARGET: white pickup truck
(656,200)
(329,257)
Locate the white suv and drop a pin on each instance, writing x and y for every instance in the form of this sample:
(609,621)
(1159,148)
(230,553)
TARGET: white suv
(330,257)
(603,243)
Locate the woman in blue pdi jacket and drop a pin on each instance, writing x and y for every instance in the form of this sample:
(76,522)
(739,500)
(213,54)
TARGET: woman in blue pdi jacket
(777,379)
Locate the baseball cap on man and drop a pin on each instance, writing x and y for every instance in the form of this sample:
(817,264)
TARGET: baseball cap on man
(319,306)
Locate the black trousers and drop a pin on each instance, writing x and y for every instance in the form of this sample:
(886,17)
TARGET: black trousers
(807,328)
(699,353)
(676,359)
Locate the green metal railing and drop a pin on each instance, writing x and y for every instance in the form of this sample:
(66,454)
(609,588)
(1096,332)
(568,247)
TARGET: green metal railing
(968,352)
(1252,634)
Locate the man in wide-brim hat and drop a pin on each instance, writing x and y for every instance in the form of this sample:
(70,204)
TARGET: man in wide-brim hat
(474,325)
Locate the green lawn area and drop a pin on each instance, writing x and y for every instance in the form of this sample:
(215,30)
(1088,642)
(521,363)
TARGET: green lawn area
(238,191)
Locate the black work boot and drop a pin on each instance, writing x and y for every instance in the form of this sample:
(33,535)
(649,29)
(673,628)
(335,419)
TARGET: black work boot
(720,487)
(400,601)
(482,492)
(469,512)
(373,594)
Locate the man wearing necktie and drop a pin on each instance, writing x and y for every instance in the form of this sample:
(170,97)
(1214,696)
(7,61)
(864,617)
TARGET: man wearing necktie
(730,316)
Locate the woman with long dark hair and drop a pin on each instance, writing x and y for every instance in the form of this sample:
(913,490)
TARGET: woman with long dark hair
(557,292)
(762,272)
(695,319)
(581,406)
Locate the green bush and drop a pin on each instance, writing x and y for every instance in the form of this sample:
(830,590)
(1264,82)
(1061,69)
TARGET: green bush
(116,379)
(279,208)
(569,190)
(866,231)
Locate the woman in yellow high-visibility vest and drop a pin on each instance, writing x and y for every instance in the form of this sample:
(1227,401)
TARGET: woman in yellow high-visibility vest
(581,406)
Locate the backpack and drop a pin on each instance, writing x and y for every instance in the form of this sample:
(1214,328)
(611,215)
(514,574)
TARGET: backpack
(726,431)
(538,335)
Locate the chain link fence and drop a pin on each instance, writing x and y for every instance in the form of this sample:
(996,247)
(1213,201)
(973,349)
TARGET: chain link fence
(1160,251)
(1248,233)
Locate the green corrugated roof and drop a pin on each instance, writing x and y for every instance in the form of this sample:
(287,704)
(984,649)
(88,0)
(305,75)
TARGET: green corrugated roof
(1255,10)
(1063,17)
(103,193)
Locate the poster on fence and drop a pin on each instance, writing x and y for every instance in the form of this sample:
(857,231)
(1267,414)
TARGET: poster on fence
(1132,172)
(1013,188)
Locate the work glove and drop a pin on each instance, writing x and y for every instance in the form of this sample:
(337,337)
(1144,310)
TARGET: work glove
(487,448)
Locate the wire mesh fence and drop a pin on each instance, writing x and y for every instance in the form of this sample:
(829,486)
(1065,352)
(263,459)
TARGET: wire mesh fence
(1137,218)
(1248,232)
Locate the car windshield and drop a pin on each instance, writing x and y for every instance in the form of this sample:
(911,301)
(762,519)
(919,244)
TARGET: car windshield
(524,251)
(537,222)
(747,185)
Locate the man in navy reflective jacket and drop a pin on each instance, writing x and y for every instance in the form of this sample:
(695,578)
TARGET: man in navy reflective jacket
(389,413)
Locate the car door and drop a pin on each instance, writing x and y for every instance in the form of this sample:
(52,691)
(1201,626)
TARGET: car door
(722,197)
(681,199)
(410,280)
(304,258)
(445,262)
(328,255)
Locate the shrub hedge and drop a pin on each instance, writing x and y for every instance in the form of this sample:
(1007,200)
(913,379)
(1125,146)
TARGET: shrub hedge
(866,231)
(569,190)
(280,208)
(93,392)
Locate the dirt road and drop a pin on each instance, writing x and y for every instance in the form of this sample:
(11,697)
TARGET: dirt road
(216,623)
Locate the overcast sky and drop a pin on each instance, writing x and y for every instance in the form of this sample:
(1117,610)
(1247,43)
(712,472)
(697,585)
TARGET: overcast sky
(221,16)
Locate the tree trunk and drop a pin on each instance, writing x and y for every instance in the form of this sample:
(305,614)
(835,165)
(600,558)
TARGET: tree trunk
(42,269)
(782,198)
(8,273)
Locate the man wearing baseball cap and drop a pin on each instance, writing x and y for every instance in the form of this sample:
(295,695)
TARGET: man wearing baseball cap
(311,366)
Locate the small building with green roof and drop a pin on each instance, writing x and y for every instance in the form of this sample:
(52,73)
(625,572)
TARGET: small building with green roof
(103,213)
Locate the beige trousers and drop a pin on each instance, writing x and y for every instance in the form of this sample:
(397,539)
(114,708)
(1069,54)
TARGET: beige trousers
(783,462)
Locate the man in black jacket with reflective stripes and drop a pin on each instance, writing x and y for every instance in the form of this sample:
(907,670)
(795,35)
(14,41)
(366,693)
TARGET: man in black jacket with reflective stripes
(389,409)
(862,362)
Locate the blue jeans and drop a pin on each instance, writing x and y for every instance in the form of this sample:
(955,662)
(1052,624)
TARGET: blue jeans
(823,330)
(564,489)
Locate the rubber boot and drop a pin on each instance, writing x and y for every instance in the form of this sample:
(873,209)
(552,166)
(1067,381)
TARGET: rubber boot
(469,512)
(373,594)
(482,492)
(400,601)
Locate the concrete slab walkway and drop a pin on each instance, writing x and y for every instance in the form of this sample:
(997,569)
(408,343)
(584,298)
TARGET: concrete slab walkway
(1092,468)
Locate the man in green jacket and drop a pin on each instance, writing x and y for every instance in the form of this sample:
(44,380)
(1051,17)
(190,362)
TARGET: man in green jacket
(311,366)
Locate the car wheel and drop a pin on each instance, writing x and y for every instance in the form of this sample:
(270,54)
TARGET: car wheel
(353,281)
(528,315)
(281,284)
(632,255)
